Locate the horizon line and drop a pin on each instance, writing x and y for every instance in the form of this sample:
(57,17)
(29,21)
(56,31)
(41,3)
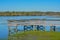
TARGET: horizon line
(29,11)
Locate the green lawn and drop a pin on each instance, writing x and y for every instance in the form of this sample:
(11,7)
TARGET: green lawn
(37,35)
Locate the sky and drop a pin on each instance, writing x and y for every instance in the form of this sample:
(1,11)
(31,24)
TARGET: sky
(30,5)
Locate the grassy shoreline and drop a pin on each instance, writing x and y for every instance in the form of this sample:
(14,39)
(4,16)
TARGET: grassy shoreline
(37,35)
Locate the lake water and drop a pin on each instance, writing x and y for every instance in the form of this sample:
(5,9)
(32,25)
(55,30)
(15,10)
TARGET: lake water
(4,23)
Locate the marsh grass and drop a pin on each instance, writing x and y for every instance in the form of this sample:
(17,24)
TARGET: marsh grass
(37,35)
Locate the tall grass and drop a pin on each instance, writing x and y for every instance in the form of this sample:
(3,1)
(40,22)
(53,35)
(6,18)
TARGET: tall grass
(37,35)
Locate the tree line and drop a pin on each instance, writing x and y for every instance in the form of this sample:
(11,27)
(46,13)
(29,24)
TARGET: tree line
(29,13)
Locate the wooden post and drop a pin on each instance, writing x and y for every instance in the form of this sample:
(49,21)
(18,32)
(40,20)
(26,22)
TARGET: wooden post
(51,28)
(9,31)
(24,27)
(44,28)
(16,28)
(34,27)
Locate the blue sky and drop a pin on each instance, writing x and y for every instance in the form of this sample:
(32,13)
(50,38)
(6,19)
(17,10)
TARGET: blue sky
(30,5)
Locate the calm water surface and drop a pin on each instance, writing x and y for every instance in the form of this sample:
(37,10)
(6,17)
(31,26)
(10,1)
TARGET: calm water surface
(4,26)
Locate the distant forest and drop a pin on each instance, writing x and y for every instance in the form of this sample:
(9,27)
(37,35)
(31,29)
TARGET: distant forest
(29,13)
